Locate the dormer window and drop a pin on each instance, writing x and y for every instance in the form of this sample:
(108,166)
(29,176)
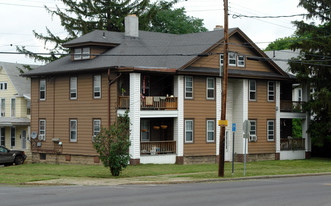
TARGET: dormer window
(82,53)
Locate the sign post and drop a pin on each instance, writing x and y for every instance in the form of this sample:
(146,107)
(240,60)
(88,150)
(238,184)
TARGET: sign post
(234,132)
(246,129)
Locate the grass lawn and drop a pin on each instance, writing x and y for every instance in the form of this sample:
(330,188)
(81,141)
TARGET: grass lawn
(35,172)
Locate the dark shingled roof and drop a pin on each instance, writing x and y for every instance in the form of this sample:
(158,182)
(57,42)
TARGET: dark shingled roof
(149,50)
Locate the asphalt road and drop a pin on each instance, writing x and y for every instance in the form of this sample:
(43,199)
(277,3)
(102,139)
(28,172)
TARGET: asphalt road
(301,191)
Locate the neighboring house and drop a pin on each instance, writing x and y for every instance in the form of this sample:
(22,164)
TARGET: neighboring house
(171,86)
(296,148)
(14,107)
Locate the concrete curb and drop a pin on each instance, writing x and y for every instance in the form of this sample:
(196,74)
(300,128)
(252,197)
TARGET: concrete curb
(137,182)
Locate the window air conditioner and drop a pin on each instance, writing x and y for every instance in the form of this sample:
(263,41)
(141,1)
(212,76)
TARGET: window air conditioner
(252,138)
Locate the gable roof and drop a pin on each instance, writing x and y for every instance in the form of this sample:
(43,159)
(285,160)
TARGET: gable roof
(21,84)
(280,58)
(149,50)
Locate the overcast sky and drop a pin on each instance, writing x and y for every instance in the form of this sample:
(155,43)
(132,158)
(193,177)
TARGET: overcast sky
(20,17)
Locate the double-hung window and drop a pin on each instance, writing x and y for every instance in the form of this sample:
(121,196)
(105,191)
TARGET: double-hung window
(82,53)
(241,61)
(73,130)
(97,86)
(12,136)
(210,130)
(96,127)
(2,107)
(73,87)
(188,131)
(210,88)
(13,107)
(232,59)
(271,130)
(188,87)
(271,91)
(42,129)
(3,136)
(253,128)
(221,60)
(252,90)
(42,89)
(3,85)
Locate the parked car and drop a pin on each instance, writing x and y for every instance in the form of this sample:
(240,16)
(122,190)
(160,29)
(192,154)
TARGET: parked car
(9,157)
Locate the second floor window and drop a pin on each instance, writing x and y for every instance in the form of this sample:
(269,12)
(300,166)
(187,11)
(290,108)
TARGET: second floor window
(232,59)
(73,87)
(73,130)
(28,107)
(252,90)
(210,88)
(97,86)
(42,89)
(188,87)
(2,107)
(13,107)
(271,91)
(241,61)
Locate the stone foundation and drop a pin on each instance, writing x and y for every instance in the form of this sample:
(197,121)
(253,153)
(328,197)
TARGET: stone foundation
(200,159)
(277,156)
(134,161)
(179,160)
(65,159)
(308,155)
(254,157)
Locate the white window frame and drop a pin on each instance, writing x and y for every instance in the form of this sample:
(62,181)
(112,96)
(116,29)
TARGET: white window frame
(73,130)
(145,130)
(212,122)
(232,58)
(77,53)
(186,87)
(210,88)
(96,127)
(221,59)
(299,94)
(3,136)
(28,107)
(86,54)
(241,62)
(73,88)
(42,122)
(271,132)
(96,86)
(3,85)
(253,127)
(42,90)
(12,137)
(252,90)
(2,107)
(271,93)
(13,107)
(190,121)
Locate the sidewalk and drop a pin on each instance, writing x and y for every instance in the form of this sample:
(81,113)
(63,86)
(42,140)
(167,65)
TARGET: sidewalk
(161,179)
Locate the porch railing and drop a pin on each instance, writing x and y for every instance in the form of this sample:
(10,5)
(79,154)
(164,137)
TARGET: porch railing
(290,106)
(158,147)
(158,103)
(292,144)
(123,102)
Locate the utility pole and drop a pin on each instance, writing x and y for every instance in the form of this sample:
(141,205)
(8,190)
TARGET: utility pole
(224,90)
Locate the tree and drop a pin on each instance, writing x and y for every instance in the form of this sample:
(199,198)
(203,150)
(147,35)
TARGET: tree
(281,43)
(81,17)
(315,67)
(113,145)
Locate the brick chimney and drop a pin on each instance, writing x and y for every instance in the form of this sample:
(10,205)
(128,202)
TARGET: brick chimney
(218,27)
(131,26)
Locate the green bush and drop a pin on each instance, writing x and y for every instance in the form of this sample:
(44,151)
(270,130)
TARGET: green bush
(113,145)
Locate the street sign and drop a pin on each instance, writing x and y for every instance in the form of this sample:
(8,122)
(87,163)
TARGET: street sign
(233,127)
(246,128)
(223,123)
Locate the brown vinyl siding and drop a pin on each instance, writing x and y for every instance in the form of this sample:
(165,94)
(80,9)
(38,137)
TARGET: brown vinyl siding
(235,45)
(199,109)
(84,109)
(261,110)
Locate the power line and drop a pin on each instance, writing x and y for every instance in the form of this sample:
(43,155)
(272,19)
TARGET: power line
(266,17)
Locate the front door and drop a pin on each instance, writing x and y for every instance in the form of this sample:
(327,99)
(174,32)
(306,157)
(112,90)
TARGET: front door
(23,136)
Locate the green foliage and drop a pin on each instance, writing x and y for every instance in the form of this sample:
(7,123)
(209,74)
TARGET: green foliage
(113,145)
(281,43)
(315,67)
(297,128)
(82,17)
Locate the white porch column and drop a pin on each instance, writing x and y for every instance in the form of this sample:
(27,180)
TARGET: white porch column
(245,109)
(218,112)
(179,121)
(305,122)
(277,117)
(135,117)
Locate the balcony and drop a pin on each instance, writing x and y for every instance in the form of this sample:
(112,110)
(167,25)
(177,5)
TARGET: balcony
(150,102)
(292,144)
(158,147)
(291,106)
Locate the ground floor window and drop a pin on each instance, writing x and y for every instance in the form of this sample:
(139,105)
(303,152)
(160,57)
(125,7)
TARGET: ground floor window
(3,136)
(73,130)
(12,136)
(271,130)
(188,131)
